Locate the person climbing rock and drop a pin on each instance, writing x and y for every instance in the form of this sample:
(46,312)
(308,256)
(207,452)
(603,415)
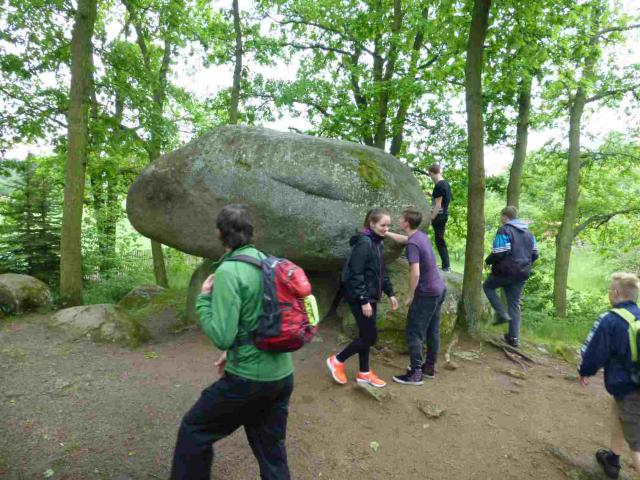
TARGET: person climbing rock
(440,199)
(514,251)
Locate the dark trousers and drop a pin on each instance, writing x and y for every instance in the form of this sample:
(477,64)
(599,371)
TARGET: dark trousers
(231,402)
(513,291)
(423,322)
(368,333)
(439,226)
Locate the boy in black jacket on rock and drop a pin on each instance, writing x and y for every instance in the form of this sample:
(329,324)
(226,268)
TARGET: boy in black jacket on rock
(608,346)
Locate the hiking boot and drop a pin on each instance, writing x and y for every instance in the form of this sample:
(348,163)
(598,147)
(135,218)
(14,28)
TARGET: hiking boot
(414,377)
(513,341)
(370,378)
(336,369)
(610,463)
(446,269)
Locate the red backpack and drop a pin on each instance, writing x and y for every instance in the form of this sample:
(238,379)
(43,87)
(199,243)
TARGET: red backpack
(285,324)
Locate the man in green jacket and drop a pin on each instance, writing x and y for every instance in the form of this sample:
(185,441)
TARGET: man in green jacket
(255,388)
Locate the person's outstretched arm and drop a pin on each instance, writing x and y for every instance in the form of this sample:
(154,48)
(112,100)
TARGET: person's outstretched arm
(397,237)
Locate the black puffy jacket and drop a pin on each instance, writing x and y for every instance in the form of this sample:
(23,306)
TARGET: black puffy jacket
(365,275)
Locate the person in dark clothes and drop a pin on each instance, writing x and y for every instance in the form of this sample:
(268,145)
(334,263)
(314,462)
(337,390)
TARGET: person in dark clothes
(256,385)
(514,251)
(609,346)
(365,280)
(425,297)
(440,199)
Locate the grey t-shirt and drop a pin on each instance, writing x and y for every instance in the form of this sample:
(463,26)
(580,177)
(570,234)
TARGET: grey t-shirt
(419,250)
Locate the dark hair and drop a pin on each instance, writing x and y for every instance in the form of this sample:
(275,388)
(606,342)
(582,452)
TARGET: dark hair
(234,223)
(412,216)
(435,168)
(374,215)
(510,212)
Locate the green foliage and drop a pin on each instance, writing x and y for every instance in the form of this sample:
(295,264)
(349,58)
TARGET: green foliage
(30,227)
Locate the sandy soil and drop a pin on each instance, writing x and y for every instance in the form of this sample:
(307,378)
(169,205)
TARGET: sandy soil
(76,410)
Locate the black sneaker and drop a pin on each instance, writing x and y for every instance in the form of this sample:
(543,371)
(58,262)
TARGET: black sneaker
(429,371)
(412,378)
(513,341)
(611,467)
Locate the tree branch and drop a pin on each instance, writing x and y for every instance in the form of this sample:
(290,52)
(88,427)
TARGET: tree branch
(609,93)
(601,219)
(617,29)
(316,46)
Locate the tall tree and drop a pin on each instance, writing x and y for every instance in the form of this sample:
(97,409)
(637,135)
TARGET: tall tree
(77,138)
(592,86)
(372,72)
(237,70)
(156,65)
(520,149)
(474,252)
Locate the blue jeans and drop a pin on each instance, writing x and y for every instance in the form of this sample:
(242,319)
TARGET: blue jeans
(423,322)
(261,407)
(513,291)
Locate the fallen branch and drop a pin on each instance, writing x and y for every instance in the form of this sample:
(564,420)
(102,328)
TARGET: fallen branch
(514,359)
(500,345)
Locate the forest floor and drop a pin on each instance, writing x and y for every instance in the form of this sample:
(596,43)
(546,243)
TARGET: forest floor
(73,409)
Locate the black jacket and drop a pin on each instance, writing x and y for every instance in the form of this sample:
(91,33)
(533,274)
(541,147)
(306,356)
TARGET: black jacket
(514,250)
(365,273)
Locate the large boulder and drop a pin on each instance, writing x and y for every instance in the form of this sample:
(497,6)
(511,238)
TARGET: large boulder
(19,293)
(391,325)
(103,323)
(307,195)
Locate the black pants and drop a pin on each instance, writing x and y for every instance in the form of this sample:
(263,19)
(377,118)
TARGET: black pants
(439,226)
(261,407)
(368,333)
(423,322)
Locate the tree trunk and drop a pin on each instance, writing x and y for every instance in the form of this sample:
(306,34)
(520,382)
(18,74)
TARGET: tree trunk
(565,236)
(159,269)
(77,136)
(474,252)
(520,151)
(237,71)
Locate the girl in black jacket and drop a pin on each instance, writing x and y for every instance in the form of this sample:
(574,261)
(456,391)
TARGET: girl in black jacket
(365,279)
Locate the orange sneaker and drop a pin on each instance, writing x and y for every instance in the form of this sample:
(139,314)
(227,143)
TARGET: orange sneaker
(336,369)
(370,378)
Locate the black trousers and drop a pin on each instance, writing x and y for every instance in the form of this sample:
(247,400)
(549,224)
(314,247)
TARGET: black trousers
(367,335)
(261,407)
(439,226)
(423,323)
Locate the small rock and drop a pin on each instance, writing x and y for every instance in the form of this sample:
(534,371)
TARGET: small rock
(514,373)
(470,356)
(430,409)
(451,365)
(379,394)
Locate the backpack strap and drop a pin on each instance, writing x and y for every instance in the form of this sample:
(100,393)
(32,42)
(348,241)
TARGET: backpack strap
(245,259)
(247,339)
(634,326)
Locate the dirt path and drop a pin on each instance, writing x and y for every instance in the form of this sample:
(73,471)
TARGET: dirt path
(76,410)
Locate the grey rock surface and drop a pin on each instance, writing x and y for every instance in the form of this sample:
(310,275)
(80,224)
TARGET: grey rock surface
(101,323)
(20,293)
(307,195)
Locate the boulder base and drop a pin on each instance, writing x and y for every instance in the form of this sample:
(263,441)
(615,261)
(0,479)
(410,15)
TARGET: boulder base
(391,325)
(20,293)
